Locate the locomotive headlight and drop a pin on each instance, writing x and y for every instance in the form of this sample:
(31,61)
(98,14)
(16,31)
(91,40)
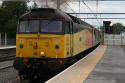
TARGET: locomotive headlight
(42,53)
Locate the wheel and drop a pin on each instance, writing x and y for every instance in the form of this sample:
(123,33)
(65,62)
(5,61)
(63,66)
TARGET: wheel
(23,80)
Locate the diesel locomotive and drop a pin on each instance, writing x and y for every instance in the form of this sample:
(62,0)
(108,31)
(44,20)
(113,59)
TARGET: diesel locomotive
(48,39)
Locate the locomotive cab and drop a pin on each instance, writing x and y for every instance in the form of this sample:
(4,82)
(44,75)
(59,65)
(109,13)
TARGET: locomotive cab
(43,37)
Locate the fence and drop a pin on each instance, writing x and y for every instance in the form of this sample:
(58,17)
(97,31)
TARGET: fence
(113,39)
(6,41)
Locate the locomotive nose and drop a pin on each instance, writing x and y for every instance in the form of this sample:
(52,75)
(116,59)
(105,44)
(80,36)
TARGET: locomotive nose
(45,46)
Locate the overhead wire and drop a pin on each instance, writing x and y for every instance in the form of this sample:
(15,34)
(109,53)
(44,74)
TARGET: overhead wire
(87,7)
(97,6)
(79,5)
(69,6)
(91,10)
(97,10)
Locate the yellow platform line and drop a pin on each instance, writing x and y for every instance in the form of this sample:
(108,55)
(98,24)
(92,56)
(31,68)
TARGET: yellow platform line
(78,72)
(89,64)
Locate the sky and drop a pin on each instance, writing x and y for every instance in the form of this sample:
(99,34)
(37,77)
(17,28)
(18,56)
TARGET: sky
(103,7)
(0,1)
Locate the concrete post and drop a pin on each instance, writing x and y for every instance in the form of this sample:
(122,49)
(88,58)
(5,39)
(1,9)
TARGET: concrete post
(46,3)
(0,39)
(103,35)
(58,4)
(5,42)
(121,36)
(79,7)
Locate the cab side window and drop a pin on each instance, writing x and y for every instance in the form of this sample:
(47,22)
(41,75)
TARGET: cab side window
(67,27)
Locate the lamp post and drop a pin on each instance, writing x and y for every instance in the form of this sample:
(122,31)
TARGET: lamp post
(5,39)
(58,4)
(0,39)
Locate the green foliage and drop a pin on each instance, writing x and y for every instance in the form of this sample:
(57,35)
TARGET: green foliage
(9,14)
(33,6)
(10,28)
(118,28)
(14,8)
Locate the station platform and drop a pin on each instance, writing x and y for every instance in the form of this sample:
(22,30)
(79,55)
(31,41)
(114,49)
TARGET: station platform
(106,64)
(7,46)
(111,68)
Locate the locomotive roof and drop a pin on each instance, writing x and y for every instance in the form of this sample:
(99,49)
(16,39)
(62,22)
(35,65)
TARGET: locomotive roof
(45,13)
(50,13)
(79,21)
(86,24)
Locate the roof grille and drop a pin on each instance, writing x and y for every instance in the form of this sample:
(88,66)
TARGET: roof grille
(43,10)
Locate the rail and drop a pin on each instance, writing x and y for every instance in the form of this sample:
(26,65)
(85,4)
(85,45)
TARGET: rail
(6,58)
(7,53)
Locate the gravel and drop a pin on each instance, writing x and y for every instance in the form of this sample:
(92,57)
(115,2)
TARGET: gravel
(9,75)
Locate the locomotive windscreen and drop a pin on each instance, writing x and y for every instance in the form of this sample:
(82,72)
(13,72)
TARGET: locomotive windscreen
(51,26)
(45,26)
(29,26)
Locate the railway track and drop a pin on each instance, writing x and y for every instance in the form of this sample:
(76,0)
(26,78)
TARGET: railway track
(6,67)
(7,72)
(7,53)
(6,58)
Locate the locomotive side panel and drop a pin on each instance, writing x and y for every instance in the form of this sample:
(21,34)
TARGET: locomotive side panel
(79,42)
(96,37)
(82,38)
(89,39)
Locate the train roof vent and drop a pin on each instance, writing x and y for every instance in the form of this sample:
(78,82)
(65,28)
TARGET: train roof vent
(76,20)
(43,10)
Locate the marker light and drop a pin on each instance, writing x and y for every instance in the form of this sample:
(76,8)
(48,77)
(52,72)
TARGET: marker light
(42,53)
(25,61)
(35,46)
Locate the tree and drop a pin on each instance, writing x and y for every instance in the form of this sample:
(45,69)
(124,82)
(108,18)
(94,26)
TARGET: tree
(14,8)
(118,28)
(10,28)
(10,11)
(33,6)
